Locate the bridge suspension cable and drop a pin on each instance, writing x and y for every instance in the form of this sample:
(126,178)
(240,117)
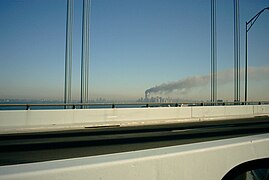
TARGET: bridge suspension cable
(236,52)
(68,51)
(213,53)
(85,54)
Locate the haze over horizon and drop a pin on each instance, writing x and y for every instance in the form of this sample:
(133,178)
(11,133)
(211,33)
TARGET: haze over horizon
(136,45)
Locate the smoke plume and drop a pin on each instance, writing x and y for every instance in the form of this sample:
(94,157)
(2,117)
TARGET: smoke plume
(180,85)
(223,77)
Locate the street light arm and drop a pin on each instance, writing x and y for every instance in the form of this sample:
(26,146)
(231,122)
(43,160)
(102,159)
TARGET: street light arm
(254,19)
(251,21)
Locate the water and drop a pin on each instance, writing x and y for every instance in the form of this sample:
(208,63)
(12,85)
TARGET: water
(21,105)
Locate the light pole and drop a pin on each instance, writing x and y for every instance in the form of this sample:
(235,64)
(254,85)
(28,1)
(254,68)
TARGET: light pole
(251,22)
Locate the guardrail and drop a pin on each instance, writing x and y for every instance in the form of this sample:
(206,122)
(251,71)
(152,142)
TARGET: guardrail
(26,106)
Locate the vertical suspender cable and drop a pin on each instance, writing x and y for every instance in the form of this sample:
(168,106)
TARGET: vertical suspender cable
(82,56)
(85,51)
(68,51)
(88,49)
(211,84)
(236,52)
(213,53)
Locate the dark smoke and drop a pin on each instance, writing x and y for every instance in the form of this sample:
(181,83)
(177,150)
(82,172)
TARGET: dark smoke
(223,77)
(181,85)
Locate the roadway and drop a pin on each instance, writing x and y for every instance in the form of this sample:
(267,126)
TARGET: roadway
(44,146)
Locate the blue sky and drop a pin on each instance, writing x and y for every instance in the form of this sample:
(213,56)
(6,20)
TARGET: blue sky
(135,45)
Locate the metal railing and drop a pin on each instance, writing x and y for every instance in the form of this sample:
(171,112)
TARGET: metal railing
(44,106)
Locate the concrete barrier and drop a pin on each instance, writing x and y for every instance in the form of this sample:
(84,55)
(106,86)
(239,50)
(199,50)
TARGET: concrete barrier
(84,116)
(204,161)
(132,114)
(261,110)
(239,110)
(91,117)
(208,111)
(224,111)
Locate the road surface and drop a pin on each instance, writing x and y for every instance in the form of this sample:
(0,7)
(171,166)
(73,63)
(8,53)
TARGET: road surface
(45,146)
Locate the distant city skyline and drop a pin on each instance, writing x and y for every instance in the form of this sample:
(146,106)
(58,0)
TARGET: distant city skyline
(136,45)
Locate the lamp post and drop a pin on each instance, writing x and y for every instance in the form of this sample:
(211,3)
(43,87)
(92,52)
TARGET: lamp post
(251,22)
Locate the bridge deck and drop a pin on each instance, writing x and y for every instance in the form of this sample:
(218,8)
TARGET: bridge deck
(44,146)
